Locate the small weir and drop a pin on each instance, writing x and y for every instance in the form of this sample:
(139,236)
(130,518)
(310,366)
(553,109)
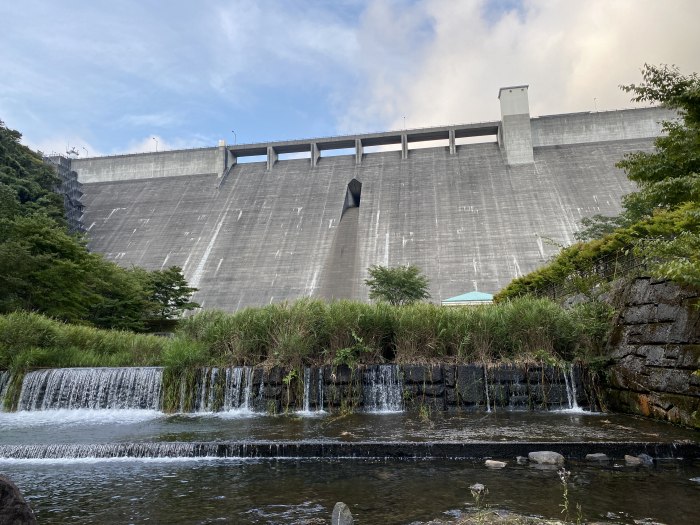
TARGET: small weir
(244,389)
(346,450)
(92,388)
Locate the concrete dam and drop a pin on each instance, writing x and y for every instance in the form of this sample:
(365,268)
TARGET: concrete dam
(472,205)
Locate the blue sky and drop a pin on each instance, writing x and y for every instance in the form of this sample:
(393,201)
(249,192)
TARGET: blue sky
(108,77)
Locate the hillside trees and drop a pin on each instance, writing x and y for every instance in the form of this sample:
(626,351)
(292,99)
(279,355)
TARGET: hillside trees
(45,269)
(660,223)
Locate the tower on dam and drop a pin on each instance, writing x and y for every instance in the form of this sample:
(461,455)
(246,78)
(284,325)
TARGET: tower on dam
(473,205)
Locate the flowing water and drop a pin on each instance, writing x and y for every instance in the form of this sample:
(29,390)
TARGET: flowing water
(93,446)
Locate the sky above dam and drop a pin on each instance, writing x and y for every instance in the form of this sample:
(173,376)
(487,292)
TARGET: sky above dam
(108,77)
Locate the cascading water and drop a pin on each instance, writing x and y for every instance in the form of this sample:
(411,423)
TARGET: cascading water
(205,390)
(570,384)
(383,389)
(238,389)
(308,391)
(92,388)
(486,389)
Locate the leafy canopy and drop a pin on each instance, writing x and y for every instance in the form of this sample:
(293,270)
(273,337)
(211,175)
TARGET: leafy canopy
(44,268)
(397,286)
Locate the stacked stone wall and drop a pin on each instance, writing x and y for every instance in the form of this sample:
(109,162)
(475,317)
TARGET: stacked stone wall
(656,352)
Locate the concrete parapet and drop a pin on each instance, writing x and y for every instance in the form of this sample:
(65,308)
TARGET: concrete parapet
(177,163)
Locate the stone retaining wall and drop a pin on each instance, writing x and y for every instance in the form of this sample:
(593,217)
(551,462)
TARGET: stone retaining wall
(437,387)
(656,352)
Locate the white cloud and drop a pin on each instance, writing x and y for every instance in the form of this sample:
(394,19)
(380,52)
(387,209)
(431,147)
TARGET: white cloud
(570,53)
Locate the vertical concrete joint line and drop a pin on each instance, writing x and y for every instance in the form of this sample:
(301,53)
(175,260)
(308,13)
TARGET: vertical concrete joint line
(358,152)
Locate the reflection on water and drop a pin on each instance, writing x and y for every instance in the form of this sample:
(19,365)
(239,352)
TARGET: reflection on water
(378,492)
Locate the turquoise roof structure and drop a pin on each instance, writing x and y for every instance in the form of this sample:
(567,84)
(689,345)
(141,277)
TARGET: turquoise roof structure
(470,296)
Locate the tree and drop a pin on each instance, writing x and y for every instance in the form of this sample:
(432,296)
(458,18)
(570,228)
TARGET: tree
(669,176)
(168,293)
(397,286)
(46,269)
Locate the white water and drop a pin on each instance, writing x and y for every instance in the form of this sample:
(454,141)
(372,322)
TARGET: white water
(383,389)
(306,401)
(205,390)
(238,390)
(71,417)
(571,395)
(486,389)
(92,388)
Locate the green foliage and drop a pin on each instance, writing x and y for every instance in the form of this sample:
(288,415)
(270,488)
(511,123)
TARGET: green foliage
(29,340)
(660,222)
(43,268)
(167,293)
(677,259)
(397,286)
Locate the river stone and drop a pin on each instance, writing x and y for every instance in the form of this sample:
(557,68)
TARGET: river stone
(341,515)
(646,459)
(492,463)
(521,460)
(546,457)
(632,460)
(13,507)
(599,456)
(479,488)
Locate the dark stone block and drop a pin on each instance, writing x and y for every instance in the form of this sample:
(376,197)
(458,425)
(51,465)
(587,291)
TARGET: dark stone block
(470,384)
(506,374)
(422,374)
(450,375)
(432,390)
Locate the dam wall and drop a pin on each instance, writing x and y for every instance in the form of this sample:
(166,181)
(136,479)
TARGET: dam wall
(472,216)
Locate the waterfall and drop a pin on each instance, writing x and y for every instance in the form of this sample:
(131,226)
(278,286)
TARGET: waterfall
(4,383)
(486,388)
(383,389)
(320,390)
(570,383)
(205,390)
(307,391)
(92,388)
(238,388)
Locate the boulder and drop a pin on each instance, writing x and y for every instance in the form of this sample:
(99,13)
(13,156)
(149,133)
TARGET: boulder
(632,461)
(646,460)
(13,507)
(521,460)
(599,456)
(546,457)
(492,463)
(341,515)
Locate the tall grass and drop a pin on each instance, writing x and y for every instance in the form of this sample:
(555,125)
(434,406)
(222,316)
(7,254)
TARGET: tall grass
(30,340)
(311,332)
